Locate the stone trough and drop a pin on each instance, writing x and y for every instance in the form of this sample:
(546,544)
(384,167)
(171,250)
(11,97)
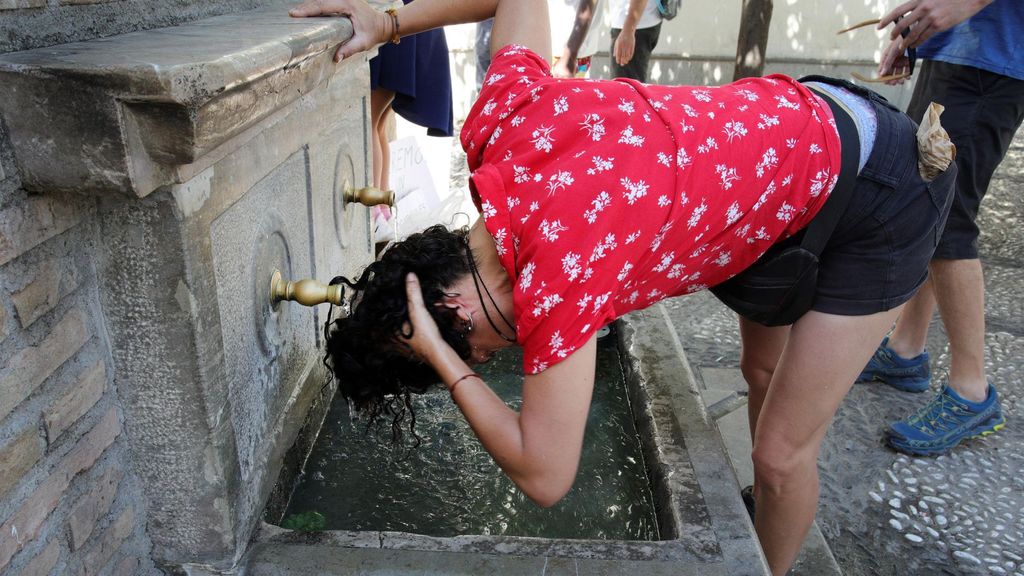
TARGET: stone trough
(703,527)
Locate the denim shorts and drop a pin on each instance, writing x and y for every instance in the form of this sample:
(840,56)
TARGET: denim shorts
(878,254)
(983,112)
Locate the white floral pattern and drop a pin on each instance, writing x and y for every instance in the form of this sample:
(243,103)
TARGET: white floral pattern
(604,197)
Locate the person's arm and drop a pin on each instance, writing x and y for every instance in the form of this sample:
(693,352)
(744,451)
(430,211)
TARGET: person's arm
(566,66)
(538,447)
(515,21)
(625,44)
(925,18)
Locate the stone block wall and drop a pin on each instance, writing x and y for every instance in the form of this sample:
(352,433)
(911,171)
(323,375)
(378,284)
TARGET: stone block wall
(69,500)
(26,24)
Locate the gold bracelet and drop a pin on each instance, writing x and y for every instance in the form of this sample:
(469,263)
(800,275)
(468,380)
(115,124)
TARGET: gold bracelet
(395,39)
(451,389)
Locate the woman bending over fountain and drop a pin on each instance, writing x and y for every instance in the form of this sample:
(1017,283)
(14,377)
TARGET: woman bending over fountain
(603,197)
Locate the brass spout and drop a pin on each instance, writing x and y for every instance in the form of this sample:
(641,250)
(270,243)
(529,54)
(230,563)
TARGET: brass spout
(369,196)
(307,292)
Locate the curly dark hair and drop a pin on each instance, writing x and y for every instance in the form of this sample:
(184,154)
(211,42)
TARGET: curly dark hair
(374,371)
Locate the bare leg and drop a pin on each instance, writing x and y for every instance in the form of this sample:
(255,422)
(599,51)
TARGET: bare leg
(958,287)
(384,174)
(820,361)
(911,334)
(758,362)
(960,290)
(380,105)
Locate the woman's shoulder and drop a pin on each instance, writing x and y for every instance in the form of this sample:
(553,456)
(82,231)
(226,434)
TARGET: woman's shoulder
(517,55)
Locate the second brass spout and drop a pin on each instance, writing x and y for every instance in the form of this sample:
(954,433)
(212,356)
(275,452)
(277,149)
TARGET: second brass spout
(370,196)
(307,292)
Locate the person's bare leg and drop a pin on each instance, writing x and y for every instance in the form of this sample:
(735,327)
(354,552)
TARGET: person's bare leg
(758,362)
(380,104)
(384,174)
(960,291)
(821,359)
(910,336)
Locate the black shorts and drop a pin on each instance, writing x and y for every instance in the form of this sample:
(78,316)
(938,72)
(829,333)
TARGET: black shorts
(983,112)
(878,255)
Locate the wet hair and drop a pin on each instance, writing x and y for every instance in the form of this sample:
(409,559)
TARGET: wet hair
(375,371)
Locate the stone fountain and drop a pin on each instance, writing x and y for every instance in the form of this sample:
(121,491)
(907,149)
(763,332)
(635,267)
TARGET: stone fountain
(214,153)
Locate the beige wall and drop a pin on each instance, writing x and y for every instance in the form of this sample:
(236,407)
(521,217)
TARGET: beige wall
(699,46)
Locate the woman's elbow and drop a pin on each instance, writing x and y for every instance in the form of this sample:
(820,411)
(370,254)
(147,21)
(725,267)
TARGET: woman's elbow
(546,492)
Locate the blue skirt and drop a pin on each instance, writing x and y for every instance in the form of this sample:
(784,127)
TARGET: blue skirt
(416,70)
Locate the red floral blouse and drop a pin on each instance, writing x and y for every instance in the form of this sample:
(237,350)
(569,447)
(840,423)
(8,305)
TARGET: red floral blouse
(604,197)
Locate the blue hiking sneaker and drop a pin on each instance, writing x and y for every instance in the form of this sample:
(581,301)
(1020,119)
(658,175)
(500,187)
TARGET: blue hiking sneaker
(912,375)
(944,422)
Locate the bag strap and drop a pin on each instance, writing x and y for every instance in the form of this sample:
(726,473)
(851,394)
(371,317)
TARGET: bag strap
(822,225)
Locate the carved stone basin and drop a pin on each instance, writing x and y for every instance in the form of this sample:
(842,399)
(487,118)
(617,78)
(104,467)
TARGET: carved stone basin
(131,113)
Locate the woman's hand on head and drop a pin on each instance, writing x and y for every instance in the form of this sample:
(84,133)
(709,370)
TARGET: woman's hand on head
(369,27)
(426,341)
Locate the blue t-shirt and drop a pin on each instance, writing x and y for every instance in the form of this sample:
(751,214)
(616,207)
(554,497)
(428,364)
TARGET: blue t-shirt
(992,39)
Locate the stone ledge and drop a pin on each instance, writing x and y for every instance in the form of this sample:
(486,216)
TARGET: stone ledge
(21,4)
(130,113)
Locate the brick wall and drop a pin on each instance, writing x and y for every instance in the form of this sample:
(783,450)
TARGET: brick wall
(69,501)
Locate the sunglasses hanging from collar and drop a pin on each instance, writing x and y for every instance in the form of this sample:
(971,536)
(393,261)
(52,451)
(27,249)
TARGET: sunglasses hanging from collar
(911,54)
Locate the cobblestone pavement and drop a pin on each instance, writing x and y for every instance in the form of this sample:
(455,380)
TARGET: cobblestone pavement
(885,513)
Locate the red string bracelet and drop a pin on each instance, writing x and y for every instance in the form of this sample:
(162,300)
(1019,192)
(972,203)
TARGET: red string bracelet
(451,389)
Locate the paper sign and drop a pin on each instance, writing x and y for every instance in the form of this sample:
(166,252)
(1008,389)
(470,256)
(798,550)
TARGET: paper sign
(410,172)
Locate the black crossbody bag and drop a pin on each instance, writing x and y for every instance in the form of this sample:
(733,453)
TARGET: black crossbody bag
(781,285)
